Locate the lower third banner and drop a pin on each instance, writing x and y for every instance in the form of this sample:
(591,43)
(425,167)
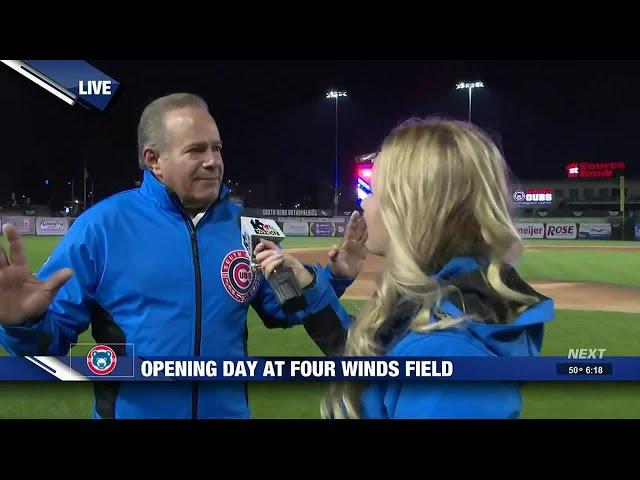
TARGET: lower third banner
(101,364)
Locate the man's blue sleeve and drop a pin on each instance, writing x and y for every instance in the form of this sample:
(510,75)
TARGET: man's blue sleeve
(453,400)
(319,296)
(69,313)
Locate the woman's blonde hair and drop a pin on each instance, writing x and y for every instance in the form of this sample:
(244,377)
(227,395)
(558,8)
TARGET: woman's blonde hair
(443,193)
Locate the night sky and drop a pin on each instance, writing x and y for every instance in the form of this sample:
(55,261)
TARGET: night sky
(276,123)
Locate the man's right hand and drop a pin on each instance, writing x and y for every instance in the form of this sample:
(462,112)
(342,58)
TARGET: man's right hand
(23,296)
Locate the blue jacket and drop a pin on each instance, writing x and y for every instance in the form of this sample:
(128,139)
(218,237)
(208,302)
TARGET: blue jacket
(523,337)
(146,278)
(489,336)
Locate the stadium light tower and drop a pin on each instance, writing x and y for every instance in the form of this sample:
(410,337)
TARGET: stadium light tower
(336,95)
(469,86)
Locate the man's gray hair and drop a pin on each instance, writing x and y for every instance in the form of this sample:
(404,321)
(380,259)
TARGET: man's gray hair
(151,126)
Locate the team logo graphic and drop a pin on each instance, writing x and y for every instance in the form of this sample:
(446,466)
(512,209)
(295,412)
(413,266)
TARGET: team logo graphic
(240,281)
(101,360)
(519,196)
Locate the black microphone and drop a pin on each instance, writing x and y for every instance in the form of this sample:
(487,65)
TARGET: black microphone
(283,281)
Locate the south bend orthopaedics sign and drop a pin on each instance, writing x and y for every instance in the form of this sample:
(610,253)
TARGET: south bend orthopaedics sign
(594,170)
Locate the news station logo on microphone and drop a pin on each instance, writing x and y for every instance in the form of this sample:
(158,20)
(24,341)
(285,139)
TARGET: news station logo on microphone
(102,360)
(253,229)
(261,228)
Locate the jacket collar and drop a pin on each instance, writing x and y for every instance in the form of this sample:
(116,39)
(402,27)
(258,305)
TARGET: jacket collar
(164,197)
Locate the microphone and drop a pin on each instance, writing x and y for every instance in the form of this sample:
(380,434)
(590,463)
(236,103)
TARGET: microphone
(283,281)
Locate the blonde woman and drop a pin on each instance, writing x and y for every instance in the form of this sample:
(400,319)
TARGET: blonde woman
(439,214)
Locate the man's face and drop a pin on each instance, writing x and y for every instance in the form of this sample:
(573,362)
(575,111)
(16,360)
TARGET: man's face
(190,161)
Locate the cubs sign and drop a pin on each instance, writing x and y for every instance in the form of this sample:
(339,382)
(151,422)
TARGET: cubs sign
(532,197)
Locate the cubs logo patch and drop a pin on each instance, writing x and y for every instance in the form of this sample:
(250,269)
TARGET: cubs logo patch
(240,281)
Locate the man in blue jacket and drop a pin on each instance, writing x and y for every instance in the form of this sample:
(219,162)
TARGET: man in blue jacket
(161,269)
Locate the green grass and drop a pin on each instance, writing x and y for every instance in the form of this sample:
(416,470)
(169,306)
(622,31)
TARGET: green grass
(38,249)
(310,242)
(620,268)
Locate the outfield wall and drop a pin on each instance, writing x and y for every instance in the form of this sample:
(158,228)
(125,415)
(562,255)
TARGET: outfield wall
(560,229)
(44,226)
(550,228)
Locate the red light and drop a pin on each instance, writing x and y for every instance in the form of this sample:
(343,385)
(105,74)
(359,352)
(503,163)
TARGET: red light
(364,172)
